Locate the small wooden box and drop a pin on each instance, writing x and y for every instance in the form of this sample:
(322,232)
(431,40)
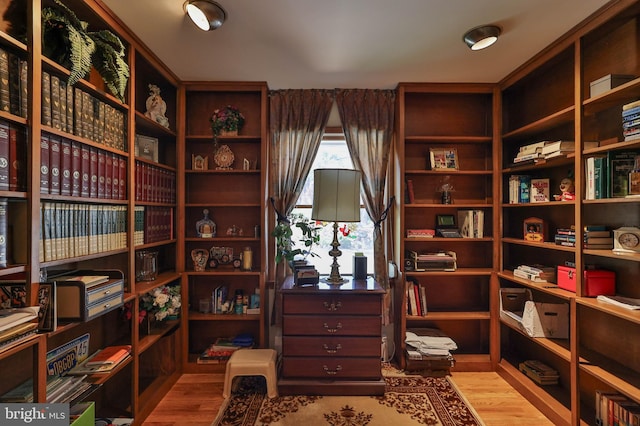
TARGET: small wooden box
(77,301)
(608,82)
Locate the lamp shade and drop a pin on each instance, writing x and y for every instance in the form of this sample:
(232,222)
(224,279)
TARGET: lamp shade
(481,37)
(336,195)
(206,14)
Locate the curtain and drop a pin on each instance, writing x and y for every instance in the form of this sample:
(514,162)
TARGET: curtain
(367,117)
(297,121)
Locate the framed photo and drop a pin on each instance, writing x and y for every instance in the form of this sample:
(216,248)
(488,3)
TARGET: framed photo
(443,159)
(199,162)
(147,148)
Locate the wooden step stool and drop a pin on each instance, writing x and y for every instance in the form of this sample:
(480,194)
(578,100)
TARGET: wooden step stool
(252,362)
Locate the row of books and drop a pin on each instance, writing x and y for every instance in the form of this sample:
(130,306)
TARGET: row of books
(594,237)
(75,169)
(546,150)
(223,303)
(70,230)
(152,223)
(471,223)
(155,184)
(72,110)
(13,157)
(614,175)
(416,298)
(63,390)
(631,120)
(539,372)
(13,83)
(536,273)
(525,189)
(615,409)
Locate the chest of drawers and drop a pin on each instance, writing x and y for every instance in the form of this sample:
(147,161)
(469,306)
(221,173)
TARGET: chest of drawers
(331,339)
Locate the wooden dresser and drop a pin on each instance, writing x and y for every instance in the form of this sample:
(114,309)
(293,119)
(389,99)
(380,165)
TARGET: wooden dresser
(331,339)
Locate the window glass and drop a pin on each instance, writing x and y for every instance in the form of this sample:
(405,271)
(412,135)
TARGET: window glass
(353,237)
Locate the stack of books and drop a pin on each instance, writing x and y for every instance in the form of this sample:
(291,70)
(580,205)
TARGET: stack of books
(565,237)
(597,237)
(536,273)
(553,149)
(103,361)
(631,120)
(219,352)
(539,372)
(519,189)
(529,153)
(416,299)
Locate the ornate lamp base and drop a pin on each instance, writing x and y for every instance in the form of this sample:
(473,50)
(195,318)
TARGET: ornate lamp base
(335,278)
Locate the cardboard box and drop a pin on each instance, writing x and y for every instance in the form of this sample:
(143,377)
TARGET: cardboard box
(608,82)
(596,281)
(534,319)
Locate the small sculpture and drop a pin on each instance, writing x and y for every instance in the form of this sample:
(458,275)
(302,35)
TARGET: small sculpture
(199,257)
(567,189)
(205,227)
(156,107)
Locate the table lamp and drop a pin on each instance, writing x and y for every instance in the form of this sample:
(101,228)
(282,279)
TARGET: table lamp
(336,198)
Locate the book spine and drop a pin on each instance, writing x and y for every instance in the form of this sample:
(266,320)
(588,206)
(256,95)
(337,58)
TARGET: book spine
(54,165)
(4,204)
(70,109)
(93,172)
(76,169)
(4,155)
(55,102)
(122,178)
(46,98)
(85,182)
(44,164)
(102,173)
(77,112)
(62,95)
(24,91)
(14,84)
(65,168)
(4,81)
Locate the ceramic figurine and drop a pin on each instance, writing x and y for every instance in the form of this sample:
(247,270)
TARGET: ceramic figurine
(156,106)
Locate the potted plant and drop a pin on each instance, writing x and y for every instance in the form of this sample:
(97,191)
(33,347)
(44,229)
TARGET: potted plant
(285,246)
(226,121)
(67,41)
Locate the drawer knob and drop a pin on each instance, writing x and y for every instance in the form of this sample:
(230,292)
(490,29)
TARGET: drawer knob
(333,330)
(332,372)
(333,306)
(107,292)
(332,351)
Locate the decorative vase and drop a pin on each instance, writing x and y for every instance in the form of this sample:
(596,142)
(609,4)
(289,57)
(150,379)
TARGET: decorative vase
(226,133)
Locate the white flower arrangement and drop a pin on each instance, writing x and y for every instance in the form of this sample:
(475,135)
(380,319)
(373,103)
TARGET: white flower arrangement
(164,301)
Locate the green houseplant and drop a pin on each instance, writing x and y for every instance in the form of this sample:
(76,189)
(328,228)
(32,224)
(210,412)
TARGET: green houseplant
(67,41)
(285,246)
(226,120)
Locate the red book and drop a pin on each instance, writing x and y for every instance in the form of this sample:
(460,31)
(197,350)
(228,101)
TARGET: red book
(85,171)
(122,178)
(101,173)
(110,355)
(416,292)
(44,164)
(138,172)
(93,172)
(17,159)
(54,165)
(4,155)
(115,179)
(143,181)
(108,174)
(65,167)
(76,169)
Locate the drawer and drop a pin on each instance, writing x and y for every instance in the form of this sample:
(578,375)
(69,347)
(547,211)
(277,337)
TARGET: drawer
(331,368)
(74,302)
(331,346)
(333,304)
(331,325)
(104,306)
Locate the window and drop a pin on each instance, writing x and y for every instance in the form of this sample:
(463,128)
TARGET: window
(353,237)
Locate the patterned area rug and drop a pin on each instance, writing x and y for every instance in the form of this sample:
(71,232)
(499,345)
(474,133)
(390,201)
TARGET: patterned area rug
(408,400)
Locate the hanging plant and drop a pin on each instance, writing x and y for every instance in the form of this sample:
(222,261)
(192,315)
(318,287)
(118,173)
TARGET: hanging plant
(283,232)
(67,41)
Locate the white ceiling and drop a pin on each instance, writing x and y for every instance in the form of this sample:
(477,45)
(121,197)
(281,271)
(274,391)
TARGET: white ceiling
(350,43)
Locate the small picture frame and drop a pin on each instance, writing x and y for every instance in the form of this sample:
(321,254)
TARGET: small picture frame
(199,162)
(534,229)
(146,147)
(443,159)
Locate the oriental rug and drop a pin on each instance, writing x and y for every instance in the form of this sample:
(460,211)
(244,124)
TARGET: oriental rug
(408,400)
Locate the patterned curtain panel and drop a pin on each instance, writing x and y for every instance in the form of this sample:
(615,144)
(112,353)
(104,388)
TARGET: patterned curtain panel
(368,120)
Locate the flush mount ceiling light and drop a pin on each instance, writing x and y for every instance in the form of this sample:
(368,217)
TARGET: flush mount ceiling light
(206,14)
(480,37)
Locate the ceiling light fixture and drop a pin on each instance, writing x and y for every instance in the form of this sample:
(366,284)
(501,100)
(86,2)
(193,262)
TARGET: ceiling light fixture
(480,37)
(206,14)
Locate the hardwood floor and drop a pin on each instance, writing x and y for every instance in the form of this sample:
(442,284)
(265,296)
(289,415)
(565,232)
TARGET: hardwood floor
(196,398)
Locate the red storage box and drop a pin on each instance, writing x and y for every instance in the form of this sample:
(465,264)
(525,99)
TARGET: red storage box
(596,281)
